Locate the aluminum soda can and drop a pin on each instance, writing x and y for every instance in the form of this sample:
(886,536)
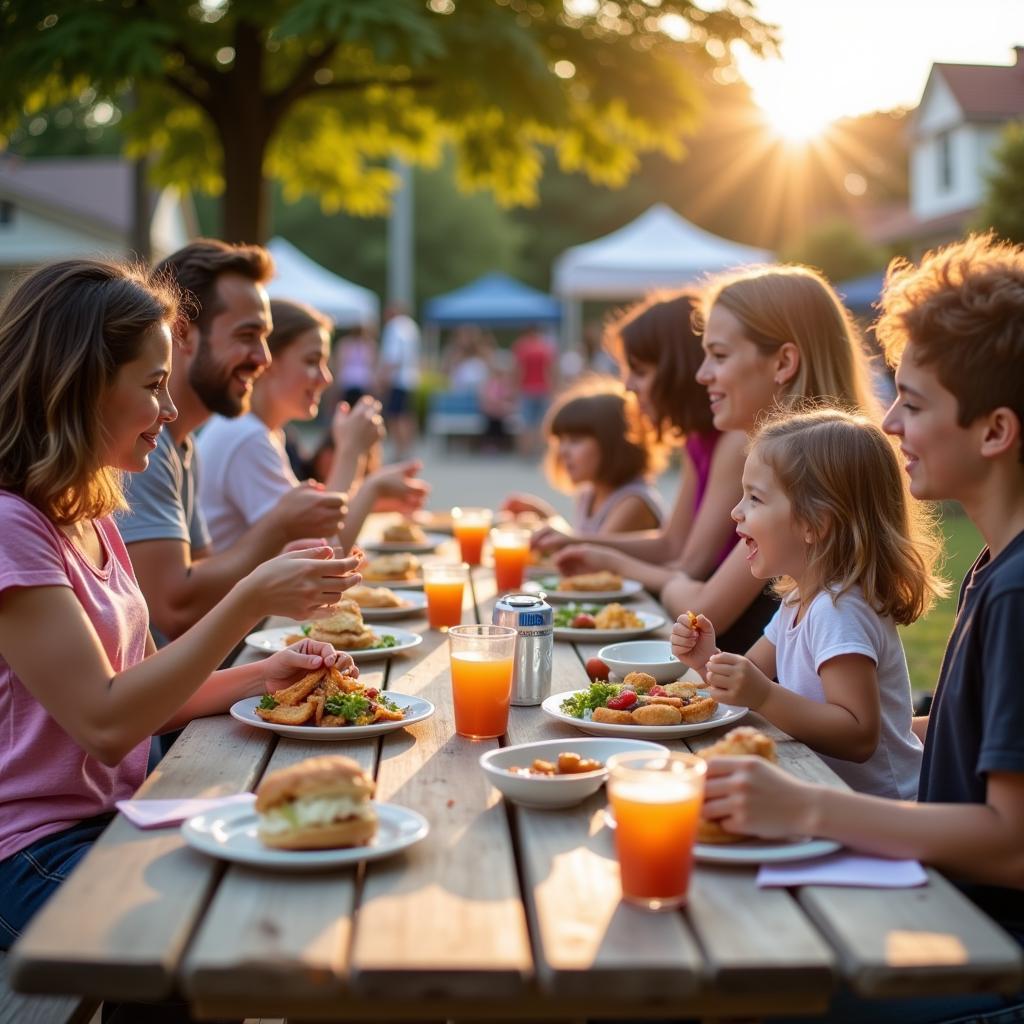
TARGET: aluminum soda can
(533,620)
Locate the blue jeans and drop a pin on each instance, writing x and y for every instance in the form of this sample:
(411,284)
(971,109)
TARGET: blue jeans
(30,877)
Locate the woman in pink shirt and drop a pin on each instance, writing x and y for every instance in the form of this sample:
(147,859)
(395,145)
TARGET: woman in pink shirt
(85,352)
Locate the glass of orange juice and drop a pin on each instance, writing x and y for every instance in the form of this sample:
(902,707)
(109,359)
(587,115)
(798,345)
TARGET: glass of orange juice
(481,658)
(470,526)
(444,585)
(511,547)
(656,798)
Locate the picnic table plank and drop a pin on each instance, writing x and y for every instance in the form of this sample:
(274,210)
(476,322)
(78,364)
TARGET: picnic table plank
(137,895)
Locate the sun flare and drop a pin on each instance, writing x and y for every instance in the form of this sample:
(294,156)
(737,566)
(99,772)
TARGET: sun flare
(795,123)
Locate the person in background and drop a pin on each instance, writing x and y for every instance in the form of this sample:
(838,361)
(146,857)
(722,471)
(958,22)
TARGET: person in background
(246,469)
(221,350)
(85,359)
(354,364)
(826,514)
(599,450)
(954,327)
(536,363)
(399,376)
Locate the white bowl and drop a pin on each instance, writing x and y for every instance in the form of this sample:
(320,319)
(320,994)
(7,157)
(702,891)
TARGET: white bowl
(651,656)
(551,791)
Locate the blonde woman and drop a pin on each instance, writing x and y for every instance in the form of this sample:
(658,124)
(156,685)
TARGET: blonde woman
(827,514)
(773,337)
(85,353)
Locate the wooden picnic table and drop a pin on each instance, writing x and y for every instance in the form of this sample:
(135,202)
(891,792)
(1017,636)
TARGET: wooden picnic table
(500,913)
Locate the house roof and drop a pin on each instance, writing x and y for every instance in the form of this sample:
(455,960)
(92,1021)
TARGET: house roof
(95,189)
(987,92)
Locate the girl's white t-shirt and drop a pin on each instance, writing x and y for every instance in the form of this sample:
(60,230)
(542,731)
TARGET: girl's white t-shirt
(245,472)
(851,626)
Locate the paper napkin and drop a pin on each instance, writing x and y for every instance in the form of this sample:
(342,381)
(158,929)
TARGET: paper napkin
(163,813)
(844,868)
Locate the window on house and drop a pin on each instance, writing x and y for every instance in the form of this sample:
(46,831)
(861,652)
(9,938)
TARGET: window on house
(944,146)
(6,212)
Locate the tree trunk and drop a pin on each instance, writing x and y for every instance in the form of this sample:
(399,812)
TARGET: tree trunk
(244,134)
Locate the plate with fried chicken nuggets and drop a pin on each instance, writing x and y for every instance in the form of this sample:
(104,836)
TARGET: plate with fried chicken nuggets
(329,705)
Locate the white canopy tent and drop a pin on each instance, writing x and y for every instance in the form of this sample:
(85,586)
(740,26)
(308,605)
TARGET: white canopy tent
(301,279)
(659,249)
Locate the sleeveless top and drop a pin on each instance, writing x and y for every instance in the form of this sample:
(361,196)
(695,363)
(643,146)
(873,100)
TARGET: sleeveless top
(587,519)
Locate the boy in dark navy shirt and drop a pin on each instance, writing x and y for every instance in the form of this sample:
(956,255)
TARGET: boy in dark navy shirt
(956,326)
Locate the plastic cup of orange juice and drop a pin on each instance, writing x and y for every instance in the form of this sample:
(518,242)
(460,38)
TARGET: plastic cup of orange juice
(444,586)
(481,659)
(656,799)
(470,526)
(511,548)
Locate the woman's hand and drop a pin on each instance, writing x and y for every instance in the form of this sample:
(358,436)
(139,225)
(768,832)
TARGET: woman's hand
(399,486)
(750,796)
(300,584)
(693,643)
(285,667)
(585,558)
(547,539)
(359,428)
(734,679)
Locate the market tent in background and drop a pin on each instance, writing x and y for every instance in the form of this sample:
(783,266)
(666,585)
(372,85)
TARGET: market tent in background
(301,279)
(659,249)
(494,300)
(860,294)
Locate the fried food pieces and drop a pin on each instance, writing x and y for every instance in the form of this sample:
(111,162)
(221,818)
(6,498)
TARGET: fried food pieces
(399,566)
(404,532)
(592,581)
(742,740)
(659,710)
(345,629)
(375,597)
(615,616)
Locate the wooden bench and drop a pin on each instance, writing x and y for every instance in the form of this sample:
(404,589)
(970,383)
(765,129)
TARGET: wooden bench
(19,1009)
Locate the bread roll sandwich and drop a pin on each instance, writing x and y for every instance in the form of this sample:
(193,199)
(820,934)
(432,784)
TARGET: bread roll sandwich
(318,804)
(742,740)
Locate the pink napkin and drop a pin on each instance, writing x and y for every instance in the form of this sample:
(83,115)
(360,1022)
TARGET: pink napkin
(844,868)
(162,813)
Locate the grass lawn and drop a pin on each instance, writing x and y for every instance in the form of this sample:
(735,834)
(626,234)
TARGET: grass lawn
(925,640)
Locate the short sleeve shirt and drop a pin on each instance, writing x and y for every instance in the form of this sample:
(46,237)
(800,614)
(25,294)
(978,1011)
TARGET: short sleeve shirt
(976,724)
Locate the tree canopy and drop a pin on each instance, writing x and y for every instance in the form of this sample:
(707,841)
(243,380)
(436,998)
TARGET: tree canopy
(223,94)
(1003,209)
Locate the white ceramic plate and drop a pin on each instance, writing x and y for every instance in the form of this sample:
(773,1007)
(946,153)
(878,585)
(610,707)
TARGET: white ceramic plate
(270,640)
(551,791)
(763,851)
(387,547)
(416,604)
(724,714)
(230,834)
(597,636)
(630,588)
(416,709)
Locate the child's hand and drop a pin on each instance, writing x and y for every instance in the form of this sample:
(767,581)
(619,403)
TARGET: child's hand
(359,428)
(693,640)
(734,679)
(585,558)
(517,503)
(288,666)
(750,796)
(547,539)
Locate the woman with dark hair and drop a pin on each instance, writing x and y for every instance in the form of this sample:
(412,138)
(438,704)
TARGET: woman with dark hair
(659,353)
(245,466)
(85,354)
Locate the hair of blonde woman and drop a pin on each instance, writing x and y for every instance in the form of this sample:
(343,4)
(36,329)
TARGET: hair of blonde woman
(65,331)
(963,310)
(601,408)
(779,304)
(659,332)
(844,482)
(292,319)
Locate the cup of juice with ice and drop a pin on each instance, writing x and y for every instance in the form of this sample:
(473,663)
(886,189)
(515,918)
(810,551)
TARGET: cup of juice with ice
(511,548)
(470,526)
(444,586)
(656,799)
(481,661)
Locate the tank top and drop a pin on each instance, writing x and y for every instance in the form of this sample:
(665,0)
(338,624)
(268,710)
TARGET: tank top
(587,519)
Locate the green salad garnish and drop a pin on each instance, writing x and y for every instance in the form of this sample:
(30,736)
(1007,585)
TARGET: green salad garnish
(386,641)
(267,703)
(563,616)
(578,704)
(347,705)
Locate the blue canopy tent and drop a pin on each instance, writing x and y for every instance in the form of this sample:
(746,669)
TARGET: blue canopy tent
(861,293)
(494,300)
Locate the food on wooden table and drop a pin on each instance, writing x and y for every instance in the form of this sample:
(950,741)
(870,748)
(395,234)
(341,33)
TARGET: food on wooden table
(615,616)
(400,566)
(345,629)
(375,597)
(404,532)
(691,618)
(639,681)
(593,616)
(330,698)
(318,804)
(623,704)
(595,581)
(596,669)
(743,740)
(567,763)
(681,689)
